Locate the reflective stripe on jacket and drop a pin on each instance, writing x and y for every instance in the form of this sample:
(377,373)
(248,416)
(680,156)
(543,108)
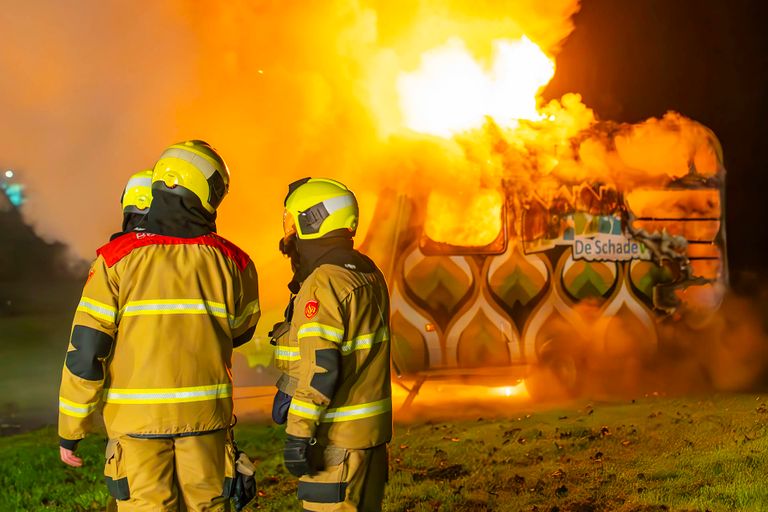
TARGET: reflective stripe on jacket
(341,328)
(153,336)
(286,358)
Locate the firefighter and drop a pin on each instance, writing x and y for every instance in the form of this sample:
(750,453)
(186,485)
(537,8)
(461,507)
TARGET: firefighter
(152,344)
(340,413)
(135,201)
(286,359)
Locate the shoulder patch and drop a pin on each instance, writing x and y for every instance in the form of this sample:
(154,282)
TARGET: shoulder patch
(311,308)
(123,245)
(90,275)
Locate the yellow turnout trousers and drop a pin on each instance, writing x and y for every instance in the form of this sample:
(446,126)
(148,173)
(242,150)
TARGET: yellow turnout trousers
(351,480)
(191,473)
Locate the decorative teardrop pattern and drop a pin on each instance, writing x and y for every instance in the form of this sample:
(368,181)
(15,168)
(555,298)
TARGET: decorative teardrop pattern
(438,282)
(516,279)
(499,309)
(583,279)
(482,335)
(627,326)
(415,346)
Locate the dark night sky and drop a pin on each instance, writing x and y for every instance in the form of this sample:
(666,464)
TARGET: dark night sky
(707,59)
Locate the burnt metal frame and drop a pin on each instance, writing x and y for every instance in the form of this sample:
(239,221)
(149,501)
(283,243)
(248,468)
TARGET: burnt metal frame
(464,375)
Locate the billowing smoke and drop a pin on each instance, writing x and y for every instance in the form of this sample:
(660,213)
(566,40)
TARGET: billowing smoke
(91,94)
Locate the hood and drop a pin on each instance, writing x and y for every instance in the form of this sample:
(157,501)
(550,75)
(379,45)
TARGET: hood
(333,250)
(180,215)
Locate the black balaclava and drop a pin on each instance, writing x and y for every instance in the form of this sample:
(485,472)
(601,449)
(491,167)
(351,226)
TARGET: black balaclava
(335,248)
(179,213)
(132,221)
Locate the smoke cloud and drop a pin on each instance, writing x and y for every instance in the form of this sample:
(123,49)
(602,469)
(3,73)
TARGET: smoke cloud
(93,92)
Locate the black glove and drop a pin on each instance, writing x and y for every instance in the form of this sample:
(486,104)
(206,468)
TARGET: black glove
(71,444)
(296,455)
(280,406)
(244,486)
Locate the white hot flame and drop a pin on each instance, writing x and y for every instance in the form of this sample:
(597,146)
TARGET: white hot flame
(452,92)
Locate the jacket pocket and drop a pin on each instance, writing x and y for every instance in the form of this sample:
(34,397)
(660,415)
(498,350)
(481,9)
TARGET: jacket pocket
(328,485)
(115,474)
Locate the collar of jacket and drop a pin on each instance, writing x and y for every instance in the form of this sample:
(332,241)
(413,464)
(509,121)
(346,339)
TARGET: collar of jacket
(334,250)
(131,222)
(178,215)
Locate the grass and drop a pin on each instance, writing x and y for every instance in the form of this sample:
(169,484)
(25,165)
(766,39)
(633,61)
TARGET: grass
(653,454)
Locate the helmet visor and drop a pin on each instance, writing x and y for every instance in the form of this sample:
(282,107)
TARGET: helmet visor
(289,226)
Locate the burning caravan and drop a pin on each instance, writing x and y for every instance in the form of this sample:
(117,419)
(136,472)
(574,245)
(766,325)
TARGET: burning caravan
(550,277)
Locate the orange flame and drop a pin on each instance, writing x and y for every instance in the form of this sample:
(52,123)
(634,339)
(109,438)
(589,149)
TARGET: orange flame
(464,221)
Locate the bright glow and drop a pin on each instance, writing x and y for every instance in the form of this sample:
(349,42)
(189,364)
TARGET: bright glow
(452,92)
(518,389)
(440,392)
(9,173)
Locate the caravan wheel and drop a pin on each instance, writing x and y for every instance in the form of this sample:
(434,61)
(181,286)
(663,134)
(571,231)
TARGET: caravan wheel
(558,375)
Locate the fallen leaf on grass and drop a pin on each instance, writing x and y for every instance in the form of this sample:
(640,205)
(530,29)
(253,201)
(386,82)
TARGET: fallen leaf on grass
(534,458)
(446,473)
(559,474)
(538,487)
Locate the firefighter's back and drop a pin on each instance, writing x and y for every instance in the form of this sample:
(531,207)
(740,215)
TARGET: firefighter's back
(169,372)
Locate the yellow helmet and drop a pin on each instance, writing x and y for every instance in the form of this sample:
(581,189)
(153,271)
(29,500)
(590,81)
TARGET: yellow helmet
(137,196)
(195,166)
(316,206)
